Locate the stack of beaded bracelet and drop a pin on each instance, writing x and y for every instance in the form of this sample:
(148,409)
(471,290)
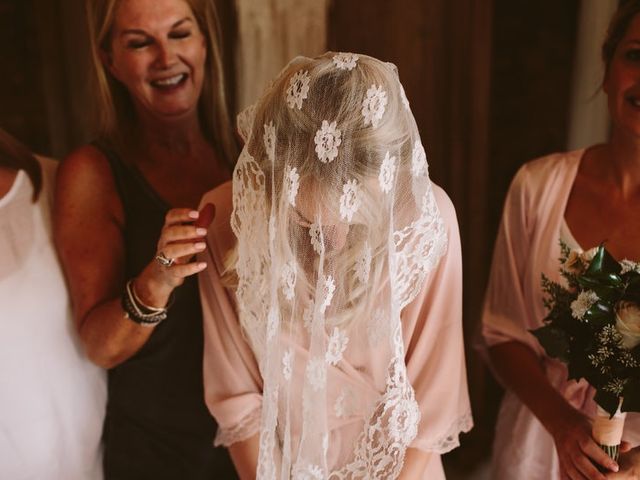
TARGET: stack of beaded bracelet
(137,311)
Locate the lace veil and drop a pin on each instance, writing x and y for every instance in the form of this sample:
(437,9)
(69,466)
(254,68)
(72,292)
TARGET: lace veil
(337,228)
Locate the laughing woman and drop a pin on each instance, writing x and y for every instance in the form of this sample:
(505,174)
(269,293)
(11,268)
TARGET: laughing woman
(126,227)
(585,198)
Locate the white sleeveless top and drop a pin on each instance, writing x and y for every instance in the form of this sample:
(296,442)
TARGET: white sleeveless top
(52,399)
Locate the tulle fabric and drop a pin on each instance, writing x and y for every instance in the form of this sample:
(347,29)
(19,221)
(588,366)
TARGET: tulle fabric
(337,228)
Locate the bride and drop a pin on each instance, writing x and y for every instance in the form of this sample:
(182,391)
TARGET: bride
(333,336)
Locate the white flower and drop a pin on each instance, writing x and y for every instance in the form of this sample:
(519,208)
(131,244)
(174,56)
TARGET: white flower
(307,316)
(573,263)
(418,159)
(615,386)
(583,303)
(403,424)
(273,322)
(403,97)
(373,105)
(316,373)
(578,260)
(298,89)
(270,140)
(337,345)
(362,267)
(387,172)
(286,364)
(350,200)
(328,287)
(289,274)
(291,184)
(628,323)
(316,238)
(629,266)
(328,138)
(345,61)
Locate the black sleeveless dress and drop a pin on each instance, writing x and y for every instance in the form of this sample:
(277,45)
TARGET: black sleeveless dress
(157,424)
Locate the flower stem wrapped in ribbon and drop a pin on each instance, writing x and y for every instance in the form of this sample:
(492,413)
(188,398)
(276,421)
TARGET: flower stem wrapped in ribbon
(593,326)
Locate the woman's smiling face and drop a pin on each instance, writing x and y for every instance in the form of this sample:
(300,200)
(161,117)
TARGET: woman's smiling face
(158,53)
(622,82)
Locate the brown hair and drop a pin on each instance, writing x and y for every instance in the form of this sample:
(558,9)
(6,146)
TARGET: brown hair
(618,26)
(16,156)
(114,109)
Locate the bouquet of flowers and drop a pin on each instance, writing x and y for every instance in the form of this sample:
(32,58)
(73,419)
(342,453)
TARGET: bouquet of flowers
(593,326)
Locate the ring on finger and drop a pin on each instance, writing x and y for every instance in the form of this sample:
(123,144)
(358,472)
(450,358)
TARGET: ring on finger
(163,260)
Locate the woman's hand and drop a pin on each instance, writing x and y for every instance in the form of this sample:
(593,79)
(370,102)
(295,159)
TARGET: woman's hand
(181,238)
(520,370)
(629,464)
(577,450)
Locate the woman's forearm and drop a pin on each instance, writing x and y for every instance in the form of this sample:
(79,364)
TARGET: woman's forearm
(245,457)
(520,371)
(415,464)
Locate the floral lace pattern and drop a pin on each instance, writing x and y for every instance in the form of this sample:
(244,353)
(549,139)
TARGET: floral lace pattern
(291,184)
(308,472)
(390,428)
(315,234)
(246,428)
(317,373)
(387,172)
(270,140)
(362,267)
(451,438)
(298,89)
(374,105)
(328,138)
(350,200)
(295,294)
(345,61)
(328,287)
(337,345)
(289,280)
(418,160)
(344,404)
(307,316)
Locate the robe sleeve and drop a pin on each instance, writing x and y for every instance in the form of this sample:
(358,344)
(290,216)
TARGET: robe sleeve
(232,381)
(505,316)
(435,350)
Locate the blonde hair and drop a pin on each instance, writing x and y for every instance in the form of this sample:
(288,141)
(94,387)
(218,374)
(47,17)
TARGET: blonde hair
(337,96)
(115,115)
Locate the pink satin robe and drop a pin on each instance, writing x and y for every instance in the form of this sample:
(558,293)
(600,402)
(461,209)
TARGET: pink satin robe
(432,327)
(528,244)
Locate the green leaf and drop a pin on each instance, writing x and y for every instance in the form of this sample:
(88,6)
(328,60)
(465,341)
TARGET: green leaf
(631,394)
(603,262)
(598,316)
(554,341)
(607,400)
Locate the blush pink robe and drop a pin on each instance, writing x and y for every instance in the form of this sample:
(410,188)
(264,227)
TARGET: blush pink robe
(528,244)
(432,326)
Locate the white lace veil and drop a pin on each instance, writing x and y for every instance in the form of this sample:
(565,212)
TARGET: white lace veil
(337,228)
